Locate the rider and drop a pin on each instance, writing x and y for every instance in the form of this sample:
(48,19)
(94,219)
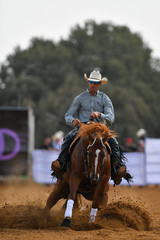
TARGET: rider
(92,104)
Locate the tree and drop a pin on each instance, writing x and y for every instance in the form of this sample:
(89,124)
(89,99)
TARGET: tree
(49,75)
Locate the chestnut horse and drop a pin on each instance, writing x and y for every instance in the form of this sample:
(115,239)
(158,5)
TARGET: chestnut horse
(89,173)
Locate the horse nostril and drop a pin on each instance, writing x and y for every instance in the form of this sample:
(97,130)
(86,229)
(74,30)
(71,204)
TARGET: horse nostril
(94,178)
(97,178)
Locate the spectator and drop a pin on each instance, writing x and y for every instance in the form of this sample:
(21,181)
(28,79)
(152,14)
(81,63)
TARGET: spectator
(130,146)
(141,134)
(47,144)
(57,140)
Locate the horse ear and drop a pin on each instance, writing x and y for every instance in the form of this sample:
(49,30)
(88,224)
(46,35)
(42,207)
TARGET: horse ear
(87,140)
(89,137)
(105,139)
(93,135)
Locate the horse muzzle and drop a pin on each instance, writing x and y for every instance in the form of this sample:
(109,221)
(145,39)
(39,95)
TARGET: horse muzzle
(94,178)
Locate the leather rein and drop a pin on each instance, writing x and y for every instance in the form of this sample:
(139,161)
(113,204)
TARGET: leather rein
(87,158)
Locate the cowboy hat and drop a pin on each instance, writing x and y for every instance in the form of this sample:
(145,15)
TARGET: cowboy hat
(58,135)
(95,76)
(141,132)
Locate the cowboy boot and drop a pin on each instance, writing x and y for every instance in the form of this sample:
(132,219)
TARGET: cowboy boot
(118,169)
(121,172)
(60,165)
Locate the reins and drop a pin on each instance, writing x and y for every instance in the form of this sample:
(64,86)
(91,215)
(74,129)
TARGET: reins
(87,160)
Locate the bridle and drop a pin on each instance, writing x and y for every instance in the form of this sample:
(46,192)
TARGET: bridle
(87,164)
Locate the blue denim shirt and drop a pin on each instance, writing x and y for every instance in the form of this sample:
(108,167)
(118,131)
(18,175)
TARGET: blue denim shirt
(84,104)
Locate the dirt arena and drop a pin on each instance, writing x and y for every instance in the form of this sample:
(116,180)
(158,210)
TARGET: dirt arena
(132,213)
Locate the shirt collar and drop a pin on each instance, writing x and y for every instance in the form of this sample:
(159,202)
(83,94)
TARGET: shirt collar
(95,93)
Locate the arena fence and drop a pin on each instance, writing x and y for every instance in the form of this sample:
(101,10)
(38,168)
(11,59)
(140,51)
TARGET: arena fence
(145,167)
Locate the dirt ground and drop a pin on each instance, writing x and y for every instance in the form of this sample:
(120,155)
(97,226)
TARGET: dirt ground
(132,213)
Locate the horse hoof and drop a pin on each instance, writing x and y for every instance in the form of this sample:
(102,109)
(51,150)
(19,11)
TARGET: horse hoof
(66,223)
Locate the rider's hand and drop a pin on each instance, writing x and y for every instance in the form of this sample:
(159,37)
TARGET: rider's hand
(95,114)
(76,122)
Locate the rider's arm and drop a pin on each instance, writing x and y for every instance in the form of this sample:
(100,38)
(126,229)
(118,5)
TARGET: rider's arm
(108,112)
(72,111)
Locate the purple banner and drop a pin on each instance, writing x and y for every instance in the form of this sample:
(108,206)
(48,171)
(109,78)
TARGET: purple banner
(14,136)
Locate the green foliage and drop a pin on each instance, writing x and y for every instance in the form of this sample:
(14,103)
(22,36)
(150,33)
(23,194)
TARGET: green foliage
(49,75)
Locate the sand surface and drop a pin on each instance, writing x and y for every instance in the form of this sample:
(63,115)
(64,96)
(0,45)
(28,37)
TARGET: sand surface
(132,213)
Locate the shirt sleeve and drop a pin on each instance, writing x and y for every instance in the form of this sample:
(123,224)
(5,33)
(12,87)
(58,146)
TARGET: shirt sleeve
(108,113)
(73,109)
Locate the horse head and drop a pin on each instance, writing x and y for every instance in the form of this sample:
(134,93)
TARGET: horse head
(96,155)
(95,136)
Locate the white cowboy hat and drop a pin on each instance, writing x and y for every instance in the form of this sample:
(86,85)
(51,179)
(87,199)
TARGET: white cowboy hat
(95,76)
(141,132)
(58,135)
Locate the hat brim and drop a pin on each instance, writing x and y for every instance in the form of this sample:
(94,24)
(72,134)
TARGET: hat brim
(141,132)
(104,80)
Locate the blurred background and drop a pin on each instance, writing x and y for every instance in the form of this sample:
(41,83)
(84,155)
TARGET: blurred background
(45,49)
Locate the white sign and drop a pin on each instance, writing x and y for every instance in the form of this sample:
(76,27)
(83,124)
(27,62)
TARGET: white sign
(144,167)
(41,167)
(152,153)
(136,167)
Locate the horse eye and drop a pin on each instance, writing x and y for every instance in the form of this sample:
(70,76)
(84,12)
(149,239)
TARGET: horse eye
(102,155)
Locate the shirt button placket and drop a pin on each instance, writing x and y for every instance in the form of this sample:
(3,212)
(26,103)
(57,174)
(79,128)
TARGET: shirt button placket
(91,104)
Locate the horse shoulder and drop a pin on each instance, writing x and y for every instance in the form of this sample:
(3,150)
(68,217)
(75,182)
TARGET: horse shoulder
(77,156)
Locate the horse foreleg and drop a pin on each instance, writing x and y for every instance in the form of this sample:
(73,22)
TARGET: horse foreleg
(61,190)
(104,197)
(74,183)
(93,214)
(100,198)
(94,209)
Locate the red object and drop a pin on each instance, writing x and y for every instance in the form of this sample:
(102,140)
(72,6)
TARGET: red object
(129,140)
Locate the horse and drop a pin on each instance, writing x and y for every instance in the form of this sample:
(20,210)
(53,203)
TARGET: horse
(89,173)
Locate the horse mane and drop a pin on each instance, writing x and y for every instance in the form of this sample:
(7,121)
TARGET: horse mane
(96,129)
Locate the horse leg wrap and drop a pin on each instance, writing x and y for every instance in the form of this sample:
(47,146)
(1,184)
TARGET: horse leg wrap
(93,214)
(68,212)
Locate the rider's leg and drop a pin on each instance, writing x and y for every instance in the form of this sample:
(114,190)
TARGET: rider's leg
(60,165)
(118,168)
